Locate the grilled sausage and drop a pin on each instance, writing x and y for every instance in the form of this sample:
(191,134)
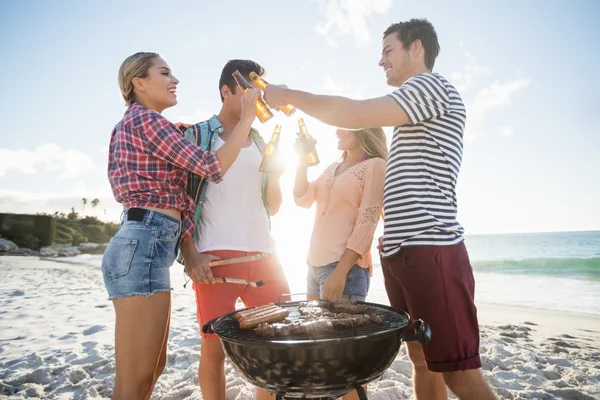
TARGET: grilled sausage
(254,310)
(263,312)
(273,316)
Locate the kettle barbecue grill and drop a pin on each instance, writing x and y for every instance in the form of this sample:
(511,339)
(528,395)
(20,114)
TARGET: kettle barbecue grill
(323,365)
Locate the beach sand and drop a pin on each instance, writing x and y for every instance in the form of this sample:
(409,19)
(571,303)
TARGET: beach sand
(56,342)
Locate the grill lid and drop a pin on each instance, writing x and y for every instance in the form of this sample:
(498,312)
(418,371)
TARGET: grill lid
(393,321)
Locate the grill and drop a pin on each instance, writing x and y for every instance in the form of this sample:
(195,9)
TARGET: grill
(227,327)
(318,366)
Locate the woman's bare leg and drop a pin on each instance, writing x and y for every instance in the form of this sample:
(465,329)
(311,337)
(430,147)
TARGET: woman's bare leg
(141,331)
(162,360)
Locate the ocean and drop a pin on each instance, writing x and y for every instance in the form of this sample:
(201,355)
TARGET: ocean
(553,271)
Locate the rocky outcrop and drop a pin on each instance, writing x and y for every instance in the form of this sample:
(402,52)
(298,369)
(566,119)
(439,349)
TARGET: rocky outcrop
(8,248)
(92,248)
(48,252)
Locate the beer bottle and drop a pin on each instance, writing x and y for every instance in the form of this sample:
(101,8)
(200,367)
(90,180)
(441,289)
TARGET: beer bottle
(271,161)
(287,110)
(310,152)
(262,110)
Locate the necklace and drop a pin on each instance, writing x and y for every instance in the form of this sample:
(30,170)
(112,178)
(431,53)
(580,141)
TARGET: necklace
(358,162)
(344,166)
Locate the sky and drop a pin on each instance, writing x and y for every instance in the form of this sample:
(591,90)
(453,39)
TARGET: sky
(527,72)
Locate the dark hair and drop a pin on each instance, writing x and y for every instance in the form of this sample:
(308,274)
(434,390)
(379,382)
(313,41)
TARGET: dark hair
(417,29)
(244,66)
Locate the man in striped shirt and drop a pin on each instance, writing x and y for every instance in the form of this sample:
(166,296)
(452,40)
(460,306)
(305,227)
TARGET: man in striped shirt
(424,260)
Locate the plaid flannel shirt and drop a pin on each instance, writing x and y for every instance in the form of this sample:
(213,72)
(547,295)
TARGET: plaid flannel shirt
(148,164)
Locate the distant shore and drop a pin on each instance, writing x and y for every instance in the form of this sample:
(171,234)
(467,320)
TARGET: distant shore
(8,248)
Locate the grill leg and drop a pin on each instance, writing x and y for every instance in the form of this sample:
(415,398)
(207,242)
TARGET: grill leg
(361,393)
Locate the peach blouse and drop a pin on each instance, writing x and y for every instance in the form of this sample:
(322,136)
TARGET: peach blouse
(348,210)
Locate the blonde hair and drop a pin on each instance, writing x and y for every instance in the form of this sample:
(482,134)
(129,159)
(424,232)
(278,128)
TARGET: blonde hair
(372,141)
(134,66)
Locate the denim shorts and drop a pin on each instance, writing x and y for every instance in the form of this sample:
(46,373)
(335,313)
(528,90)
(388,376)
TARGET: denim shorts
(138,258)
(358,281)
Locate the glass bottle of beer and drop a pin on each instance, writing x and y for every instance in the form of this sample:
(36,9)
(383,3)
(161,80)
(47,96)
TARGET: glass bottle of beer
(287,110)
(271,160)
(310,151)
(262,110)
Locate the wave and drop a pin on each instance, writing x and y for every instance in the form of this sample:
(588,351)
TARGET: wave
(564,267)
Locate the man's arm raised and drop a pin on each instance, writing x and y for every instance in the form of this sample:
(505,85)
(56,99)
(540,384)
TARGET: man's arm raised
(340,111)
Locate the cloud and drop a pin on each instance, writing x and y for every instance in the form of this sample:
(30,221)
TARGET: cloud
(199,116)
(23,202)
(507,131)
(334,88)
(348,17)
(497,95)
(463,80)
(483,97)
(49,157)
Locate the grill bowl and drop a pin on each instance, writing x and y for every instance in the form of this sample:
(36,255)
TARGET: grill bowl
(324,365)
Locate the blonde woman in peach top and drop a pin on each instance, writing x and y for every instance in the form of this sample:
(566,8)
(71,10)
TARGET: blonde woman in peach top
(349,198)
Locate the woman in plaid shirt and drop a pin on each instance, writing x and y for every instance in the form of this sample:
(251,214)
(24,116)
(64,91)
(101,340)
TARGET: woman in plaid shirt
(149,161)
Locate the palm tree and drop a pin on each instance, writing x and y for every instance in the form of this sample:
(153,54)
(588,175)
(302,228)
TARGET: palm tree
(84,200)
(95,202)
(72,215)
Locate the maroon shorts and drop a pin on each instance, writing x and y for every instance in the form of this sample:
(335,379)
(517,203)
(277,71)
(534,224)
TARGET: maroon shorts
(436,284)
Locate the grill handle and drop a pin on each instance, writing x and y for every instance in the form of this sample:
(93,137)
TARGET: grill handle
(208,327)
(290,294)
(418,330)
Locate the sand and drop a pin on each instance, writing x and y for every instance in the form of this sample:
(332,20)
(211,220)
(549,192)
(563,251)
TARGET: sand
(56,342)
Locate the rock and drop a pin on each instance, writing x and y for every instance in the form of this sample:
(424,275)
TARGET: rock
(29,252)
(48,252)
(60,251)
(21,251)
(92,248)
(69,252)
(87,246)
(7,246)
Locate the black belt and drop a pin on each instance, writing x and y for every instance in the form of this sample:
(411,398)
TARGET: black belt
(136,214)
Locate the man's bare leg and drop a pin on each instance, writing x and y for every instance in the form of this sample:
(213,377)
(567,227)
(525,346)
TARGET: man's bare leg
(211,372)
(427,385)
(262,394)
(469,385)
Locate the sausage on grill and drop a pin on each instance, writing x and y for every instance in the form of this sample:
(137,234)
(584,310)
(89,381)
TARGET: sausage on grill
(261,313)
(269,317)
(254,310)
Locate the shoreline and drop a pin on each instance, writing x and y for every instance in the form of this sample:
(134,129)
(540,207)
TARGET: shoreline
(544,324)
(489,313)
